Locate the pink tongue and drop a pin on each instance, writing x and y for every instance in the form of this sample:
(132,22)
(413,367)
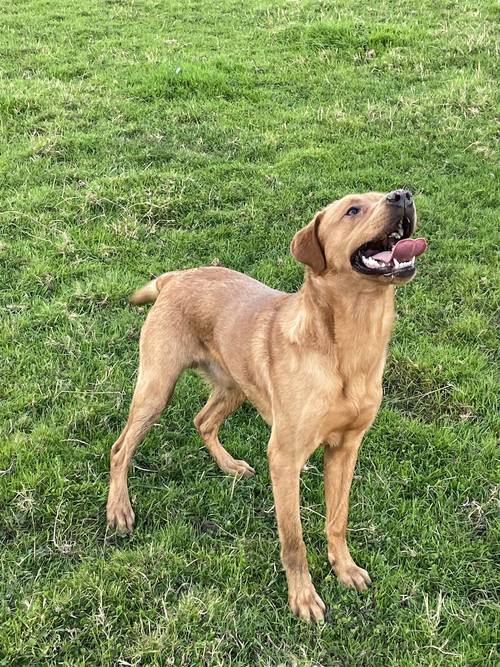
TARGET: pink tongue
(403,251)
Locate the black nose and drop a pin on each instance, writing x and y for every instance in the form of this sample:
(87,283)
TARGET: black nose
(402,198)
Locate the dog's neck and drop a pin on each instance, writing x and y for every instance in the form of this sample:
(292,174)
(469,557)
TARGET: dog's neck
(329,312)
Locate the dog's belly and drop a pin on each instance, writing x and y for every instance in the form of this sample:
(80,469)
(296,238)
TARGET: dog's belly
(255,392)
(218,373)
(263,409)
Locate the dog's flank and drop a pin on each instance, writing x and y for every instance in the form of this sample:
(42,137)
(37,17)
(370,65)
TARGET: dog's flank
(310,362)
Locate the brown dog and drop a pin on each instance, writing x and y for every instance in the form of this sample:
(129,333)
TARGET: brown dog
(310,362)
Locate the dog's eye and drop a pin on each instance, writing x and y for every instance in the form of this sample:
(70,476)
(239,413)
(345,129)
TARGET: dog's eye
(354,210)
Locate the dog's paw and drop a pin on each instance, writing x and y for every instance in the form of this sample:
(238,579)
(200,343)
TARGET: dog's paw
(353,576)
(307,605)
(237,468)
(120,515)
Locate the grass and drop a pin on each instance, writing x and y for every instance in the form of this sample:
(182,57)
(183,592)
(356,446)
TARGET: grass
(142,136)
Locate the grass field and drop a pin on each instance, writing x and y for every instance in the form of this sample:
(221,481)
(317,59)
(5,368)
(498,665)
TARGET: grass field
(142,136)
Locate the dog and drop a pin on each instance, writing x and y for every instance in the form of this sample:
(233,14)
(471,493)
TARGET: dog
(311,362)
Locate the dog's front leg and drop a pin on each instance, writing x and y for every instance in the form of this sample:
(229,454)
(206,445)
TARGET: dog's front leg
(339,463)
(285,463)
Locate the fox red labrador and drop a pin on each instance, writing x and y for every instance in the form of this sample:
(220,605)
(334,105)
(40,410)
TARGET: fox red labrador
(310,362)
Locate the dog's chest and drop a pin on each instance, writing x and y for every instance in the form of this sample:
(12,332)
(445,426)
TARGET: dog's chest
(355,391)
(353,405)
(354,396)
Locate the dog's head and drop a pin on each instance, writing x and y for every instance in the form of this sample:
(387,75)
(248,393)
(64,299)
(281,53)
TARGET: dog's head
(367,235)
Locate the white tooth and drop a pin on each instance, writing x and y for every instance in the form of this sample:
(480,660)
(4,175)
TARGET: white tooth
(371,263)
(396,263)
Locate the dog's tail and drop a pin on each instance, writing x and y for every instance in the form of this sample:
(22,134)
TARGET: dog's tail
(149,292)
(146,294)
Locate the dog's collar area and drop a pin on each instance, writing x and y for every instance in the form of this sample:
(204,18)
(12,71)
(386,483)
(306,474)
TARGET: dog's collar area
(392,255)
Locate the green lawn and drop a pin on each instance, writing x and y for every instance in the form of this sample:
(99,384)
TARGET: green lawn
(142,136)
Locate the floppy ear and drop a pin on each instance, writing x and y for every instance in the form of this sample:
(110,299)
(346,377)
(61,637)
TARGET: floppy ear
(306,246)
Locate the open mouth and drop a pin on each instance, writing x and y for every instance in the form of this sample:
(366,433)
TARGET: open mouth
(391,255)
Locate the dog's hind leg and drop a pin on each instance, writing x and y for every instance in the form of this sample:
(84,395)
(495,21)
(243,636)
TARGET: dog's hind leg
(159,368)
(221,403)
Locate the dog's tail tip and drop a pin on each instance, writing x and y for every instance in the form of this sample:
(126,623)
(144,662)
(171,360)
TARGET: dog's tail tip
(146,294)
